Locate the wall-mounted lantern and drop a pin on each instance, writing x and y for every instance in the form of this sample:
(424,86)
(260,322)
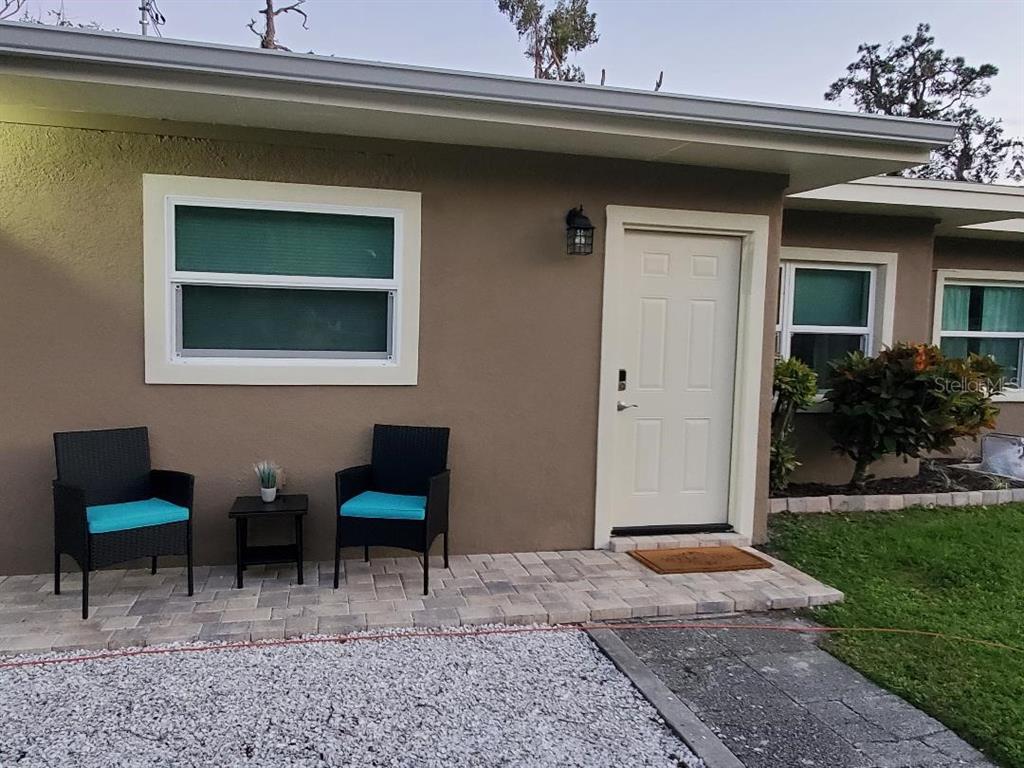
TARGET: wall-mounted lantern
(579,233)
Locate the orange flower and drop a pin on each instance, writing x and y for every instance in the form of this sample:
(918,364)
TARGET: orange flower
(921,358)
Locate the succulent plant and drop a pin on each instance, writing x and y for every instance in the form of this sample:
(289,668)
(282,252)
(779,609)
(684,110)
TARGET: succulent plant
(269,474)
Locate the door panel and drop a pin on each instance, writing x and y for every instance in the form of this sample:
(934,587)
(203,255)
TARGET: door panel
(676,339)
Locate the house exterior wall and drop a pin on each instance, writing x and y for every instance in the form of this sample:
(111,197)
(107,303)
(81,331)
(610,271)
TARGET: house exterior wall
(999,255)
(912,241)
(509,329)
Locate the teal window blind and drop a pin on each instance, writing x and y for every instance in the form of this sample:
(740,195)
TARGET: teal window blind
(228,319)
(265,242)
(837,297)
(982,308)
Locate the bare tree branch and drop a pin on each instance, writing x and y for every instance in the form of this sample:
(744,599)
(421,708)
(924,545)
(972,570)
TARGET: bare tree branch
(10,7)
(268,35)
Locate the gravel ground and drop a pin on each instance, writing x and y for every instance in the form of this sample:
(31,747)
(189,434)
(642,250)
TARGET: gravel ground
(536,699)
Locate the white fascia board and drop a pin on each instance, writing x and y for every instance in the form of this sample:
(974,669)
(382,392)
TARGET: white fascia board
(922,193)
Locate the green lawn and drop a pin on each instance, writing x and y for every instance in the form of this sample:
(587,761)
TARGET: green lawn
(957,571)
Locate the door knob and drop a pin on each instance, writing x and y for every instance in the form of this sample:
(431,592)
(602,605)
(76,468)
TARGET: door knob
(621,406)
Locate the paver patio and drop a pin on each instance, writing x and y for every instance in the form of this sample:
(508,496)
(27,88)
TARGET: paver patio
(135,608)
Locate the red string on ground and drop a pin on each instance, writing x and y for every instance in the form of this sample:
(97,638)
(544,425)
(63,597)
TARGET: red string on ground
(118,654)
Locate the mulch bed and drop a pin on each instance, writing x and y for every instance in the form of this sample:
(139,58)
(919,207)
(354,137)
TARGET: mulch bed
(935,476)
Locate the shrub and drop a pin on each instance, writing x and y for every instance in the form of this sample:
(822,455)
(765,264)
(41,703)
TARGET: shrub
(906,401)
(794,385)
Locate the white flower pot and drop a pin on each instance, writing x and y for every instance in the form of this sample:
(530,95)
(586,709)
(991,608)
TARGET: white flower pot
(268,494)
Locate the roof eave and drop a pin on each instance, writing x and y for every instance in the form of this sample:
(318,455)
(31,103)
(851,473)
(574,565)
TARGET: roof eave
(138,55)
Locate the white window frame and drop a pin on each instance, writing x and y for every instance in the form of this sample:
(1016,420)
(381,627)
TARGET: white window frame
(167,363)
(979,277)
(881,295)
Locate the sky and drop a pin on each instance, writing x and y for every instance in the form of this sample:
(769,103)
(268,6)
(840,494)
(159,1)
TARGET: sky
(780,51)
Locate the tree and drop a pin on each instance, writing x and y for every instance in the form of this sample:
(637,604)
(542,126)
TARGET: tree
(268,35)
(1014,165)
(58,17)
(976,153)
(916,79)
(552,37)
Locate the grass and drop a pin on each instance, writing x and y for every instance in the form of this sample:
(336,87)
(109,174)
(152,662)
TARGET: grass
(959,571)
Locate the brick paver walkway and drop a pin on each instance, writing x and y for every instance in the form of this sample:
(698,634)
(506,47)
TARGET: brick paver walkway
(134,608)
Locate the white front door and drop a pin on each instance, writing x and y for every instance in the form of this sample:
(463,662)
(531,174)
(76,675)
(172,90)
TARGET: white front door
(678,302)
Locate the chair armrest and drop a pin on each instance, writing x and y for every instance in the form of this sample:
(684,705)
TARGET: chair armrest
(350,482)
(437,501)
(69,516)
(175,487)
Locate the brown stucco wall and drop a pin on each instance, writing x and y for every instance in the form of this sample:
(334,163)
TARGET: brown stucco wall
(912,241)
(509,330)
(973,253)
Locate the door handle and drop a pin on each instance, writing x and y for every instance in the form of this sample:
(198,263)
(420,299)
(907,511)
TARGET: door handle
(621,406)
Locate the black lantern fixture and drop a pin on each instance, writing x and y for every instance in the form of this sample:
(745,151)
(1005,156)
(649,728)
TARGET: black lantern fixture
(579,233)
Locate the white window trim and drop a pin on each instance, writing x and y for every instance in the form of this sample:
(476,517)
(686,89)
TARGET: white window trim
(882,265)
(981,277)
(163,364)
(786,327)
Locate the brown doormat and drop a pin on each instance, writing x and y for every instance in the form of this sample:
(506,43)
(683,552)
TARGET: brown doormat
(699,559)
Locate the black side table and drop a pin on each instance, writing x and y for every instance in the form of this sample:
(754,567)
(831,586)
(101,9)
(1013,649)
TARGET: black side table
(248,508)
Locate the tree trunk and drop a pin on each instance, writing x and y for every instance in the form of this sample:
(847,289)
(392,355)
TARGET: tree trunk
(860,473)
(269,40)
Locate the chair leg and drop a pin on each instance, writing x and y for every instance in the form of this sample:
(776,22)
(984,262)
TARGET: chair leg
(446,549)
(188,560)
(337,558)
(366,553)
(153,568)
(85,593)
(426,569)
(56,571)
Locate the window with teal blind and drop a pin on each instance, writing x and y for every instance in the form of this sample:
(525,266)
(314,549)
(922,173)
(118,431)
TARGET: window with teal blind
(215,319)
(263,283)
(825,312)
(836,297)
(984,319)
(270,242)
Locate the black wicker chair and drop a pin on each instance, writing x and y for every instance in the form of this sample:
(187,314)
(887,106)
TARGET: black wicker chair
(110,506)
(399,499)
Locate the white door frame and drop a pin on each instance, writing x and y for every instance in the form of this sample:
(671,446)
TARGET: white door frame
(746,412)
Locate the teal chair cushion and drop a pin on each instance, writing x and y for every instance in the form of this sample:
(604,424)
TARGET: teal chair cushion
(390,506)
(106,518)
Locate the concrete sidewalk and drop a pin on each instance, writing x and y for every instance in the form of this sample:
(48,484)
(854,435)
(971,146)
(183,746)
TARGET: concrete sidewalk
(776,699)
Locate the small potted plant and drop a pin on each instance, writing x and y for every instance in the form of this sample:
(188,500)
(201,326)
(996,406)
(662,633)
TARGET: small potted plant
(271,476)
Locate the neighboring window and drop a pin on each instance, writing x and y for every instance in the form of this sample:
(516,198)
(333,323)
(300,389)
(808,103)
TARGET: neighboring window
(278,283)
(986,319)
(825,311)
